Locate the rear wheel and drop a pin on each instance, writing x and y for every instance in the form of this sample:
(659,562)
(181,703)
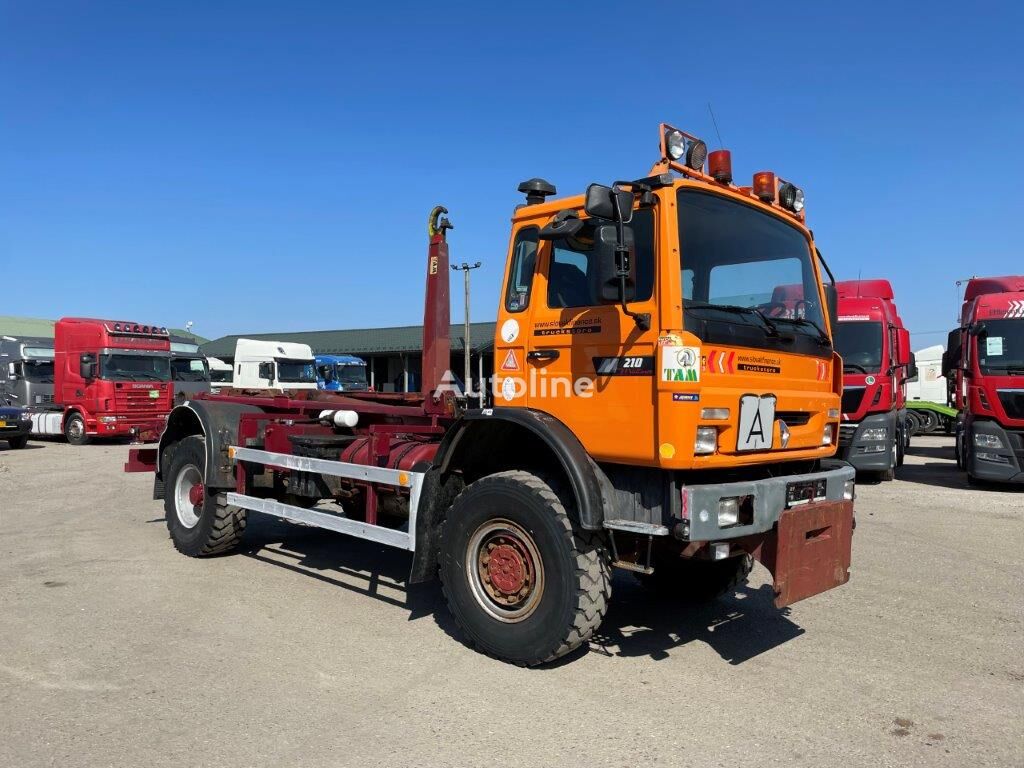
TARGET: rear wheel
(200,523)
(521,580)
(18,442)
(74,429)
(890,473)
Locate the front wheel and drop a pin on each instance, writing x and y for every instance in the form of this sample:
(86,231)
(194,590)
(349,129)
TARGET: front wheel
(521,580)
(200,523)
(74,430)
(18,442)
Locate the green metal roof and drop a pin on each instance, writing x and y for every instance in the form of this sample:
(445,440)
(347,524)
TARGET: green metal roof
(361,341)
(41,328)
(25,326)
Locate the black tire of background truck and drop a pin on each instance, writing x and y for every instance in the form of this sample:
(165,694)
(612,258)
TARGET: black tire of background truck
(913,425)
(18,442)
(574,570)
(890,473)
(74,430)
(696,581)
(219,527)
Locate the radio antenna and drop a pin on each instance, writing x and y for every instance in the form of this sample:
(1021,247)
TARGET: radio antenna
(721,144)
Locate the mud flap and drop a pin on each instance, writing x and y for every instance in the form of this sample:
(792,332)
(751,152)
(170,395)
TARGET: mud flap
(811,550)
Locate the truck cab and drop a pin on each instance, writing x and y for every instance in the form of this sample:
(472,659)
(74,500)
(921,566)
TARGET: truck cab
(190,371)
(989,361)
(220,373)
(26,372)
(341,373)
(875,348)
(280,365)
(111,378)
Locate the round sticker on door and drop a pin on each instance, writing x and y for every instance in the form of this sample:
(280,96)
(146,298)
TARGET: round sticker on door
(869,380)
(510,331)
(508,389)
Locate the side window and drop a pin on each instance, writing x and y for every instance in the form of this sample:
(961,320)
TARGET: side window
(569,277)
(520,276)
(688,276)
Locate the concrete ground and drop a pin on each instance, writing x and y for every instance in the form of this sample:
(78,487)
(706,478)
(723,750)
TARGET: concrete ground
(307,649)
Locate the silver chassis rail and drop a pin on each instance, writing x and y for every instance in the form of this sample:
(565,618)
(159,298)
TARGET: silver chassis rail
(360,472)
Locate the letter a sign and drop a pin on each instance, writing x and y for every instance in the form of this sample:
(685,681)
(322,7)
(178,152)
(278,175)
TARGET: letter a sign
(757,423)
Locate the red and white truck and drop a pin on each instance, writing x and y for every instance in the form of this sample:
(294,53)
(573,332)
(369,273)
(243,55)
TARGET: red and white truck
(875,347)
(985,357)
(111,379)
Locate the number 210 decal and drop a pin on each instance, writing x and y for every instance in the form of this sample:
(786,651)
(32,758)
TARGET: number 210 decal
(624,366)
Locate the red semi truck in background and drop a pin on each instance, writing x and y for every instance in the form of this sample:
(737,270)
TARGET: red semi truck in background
(985,357)
(875,347)
(111,379)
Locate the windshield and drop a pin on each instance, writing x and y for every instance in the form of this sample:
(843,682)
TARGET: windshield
(351,376)
(296,371)
(39,371)
(121,367)
(860,346)
(220,375)
(748,278)
(1001,347)
(186,369)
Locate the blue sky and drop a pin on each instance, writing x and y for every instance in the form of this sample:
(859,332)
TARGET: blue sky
(255,166)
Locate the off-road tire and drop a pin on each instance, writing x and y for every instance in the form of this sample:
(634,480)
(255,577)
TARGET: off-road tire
(576,569)
(73,436)
(697,581)
(220,526)
(18,442)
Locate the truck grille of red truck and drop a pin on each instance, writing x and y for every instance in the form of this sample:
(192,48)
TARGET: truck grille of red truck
(1012,401)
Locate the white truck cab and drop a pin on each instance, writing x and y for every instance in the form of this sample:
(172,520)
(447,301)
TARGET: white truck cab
(276,365)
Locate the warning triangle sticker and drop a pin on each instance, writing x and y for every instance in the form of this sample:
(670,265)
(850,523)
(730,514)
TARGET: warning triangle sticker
(510,363)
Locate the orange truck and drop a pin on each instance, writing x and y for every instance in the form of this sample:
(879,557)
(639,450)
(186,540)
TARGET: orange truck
(666,401)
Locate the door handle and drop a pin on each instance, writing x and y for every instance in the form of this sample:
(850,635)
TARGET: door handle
(543,354)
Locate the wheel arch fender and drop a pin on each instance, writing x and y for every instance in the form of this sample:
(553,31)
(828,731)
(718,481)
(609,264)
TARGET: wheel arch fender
(515,429)
(217,423)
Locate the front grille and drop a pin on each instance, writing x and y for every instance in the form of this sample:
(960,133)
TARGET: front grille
(846,433)
(793,418)
(1013,402)
(852,398)
(138,399)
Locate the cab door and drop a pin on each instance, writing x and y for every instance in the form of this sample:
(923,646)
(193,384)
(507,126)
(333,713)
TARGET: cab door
(585,362)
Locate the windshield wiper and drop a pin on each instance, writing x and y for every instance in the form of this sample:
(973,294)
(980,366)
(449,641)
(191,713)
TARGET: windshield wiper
(854,367)
(823,337)
(736,309)
(147,376)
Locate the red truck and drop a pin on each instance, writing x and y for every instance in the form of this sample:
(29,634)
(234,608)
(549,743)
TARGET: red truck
(111,379)
(875,347)
(985,357)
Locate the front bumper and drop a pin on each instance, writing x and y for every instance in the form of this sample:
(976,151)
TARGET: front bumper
(868,455)
(804,539)
(16,428)
(1002,465)
(142,429)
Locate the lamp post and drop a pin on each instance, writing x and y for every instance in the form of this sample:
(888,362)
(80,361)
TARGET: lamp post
(465,269)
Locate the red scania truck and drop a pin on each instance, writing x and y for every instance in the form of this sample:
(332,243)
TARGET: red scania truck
(875,347)
(111,379)
(986,356)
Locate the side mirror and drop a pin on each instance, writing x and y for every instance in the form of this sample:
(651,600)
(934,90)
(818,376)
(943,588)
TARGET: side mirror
(832,305)
(912,368)
(12,371)
(606,272)
(602,202)
(87,366)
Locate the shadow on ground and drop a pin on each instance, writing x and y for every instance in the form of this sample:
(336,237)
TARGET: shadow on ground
(639,622)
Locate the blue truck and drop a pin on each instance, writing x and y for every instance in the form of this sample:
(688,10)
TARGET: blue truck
(341,373)
(15,425)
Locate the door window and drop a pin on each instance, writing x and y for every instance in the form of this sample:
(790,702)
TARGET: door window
(520,276)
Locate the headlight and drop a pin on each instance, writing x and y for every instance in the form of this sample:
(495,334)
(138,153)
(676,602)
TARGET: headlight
(994,457)
(706,440)
(108,419)
(848,490)
(826,436)
(26,417)
(728,512)
(791,197)
(675,144)
(982,440)
(833,413)
(875,434)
